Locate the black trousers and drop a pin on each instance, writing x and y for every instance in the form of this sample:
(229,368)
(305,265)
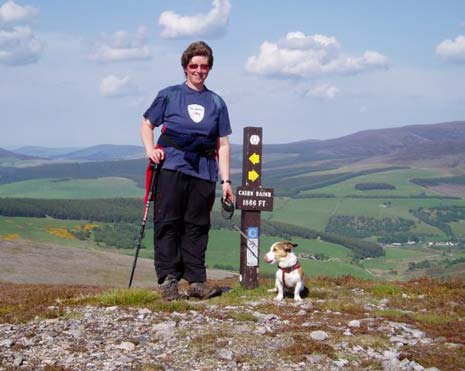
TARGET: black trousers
(182,222)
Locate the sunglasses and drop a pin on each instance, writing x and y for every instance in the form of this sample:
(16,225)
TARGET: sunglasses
(194,66)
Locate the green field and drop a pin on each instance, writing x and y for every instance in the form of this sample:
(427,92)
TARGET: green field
(458,228)
(72,188)
(398,178)
(313,213)
(35,229)
(224,250)
(224,246)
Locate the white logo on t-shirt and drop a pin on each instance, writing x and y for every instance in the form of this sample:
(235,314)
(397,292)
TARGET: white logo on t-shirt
(196,112)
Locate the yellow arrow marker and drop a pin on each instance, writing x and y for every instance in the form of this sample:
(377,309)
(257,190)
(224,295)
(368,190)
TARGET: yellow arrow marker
(253,175)
(254,158)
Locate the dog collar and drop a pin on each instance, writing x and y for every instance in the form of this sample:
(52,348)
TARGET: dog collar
(291,268)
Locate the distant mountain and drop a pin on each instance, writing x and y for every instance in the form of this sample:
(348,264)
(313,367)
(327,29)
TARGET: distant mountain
(439,139)
(4,154)
(440,155)
(289,168)
(45,152)
(105,152)
(383,141)
(433,145)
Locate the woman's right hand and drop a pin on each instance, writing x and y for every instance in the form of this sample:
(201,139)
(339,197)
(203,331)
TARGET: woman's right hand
(156,155)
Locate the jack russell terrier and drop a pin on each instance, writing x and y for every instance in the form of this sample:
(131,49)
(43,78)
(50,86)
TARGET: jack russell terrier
(289,275)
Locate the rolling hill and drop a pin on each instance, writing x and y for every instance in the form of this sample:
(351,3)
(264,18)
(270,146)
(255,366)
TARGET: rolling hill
(102,152)
(4,154)
(289,167)
(381,142)
(44,152)
(399,145)
(106,152)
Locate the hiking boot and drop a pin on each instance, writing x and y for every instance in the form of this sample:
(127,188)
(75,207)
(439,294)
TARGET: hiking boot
(201,290)
(169,288)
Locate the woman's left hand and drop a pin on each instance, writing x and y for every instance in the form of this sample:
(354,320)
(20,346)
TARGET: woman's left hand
(228,193)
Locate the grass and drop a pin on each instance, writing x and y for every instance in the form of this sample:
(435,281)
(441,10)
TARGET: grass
(296,211)
(399,253)
(315,212)
(385,289)
(398,178)
(304,346)
(126,297)
(395,264)
(342,306)
(46,230)
(449,358)
(72,188)
(224,245)
(238,294)
(224,251)
(137,298)
(458,228)
(23,302)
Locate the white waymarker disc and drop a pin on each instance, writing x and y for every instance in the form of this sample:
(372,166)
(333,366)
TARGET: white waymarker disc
(254,139)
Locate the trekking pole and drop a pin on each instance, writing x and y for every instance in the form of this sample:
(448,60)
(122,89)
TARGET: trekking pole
(144,219)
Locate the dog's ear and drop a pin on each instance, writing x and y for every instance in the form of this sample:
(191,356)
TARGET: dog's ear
(289,245)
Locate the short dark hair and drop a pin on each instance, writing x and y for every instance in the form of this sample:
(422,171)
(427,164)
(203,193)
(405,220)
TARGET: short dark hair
(198,48)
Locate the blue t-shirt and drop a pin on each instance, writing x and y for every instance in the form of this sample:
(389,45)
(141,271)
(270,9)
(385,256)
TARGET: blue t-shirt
(190,112)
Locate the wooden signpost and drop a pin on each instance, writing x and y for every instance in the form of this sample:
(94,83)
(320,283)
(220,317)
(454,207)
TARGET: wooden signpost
(252,198)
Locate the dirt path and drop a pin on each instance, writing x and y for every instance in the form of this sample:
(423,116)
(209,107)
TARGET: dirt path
(24,261)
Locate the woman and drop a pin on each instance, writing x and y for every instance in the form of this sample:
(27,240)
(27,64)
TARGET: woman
(192,146)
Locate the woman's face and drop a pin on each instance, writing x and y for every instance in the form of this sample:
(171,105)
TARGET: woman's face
(197,71)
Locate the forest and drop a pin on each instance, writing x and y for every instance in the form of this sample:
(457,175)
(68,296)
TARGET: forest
(440,217)
(373,186)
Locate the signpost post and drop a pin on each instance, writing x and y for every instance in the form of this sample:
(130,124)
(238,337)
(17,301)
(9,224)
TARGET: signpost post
(252,199)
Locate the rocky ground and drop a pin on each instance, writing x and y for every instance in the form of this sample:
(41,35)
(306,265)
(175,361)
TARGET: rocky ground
(112,338)
(340,325)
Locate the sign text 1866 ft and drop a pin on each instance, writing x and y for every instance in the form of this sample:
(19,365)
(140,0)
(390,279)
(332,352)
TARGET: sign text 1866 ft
(258,199)
(252,199)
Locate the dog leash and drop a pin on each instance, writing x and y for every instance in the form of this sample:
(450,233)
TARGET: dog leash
(227,211)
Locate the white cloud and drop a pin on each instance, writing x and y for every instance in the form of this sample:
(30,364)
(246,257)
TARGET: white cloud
(298,55)
(298,40)
(121,46)
(12,12)
(117,87)
(323,91)
(212,24)
(452,50)
(19,46)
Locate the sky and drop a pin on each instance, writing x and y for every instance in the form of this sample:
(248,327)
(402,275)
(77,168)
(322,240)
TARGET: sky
(82,73)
